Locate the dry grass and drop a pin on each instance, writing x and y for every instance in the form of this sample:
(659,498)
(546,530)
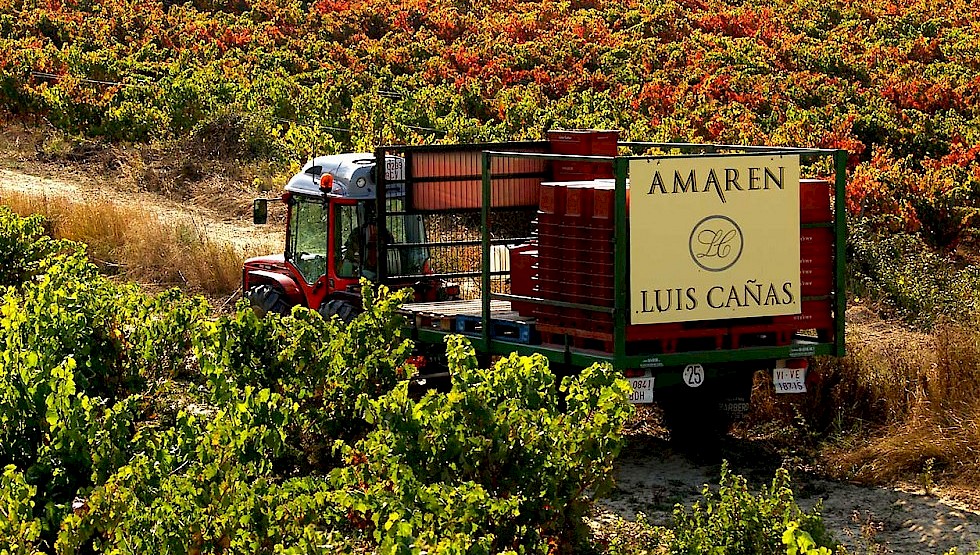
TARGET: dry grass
(137,246)
(929,405)
(177,170)
(902,406)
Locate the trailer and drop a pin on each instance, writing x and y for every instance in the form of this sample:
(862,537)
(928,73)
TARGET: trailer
(689,267)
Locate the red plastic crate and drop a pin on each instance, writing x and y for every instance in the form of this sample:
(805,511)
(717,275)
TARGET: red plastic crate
(551,238)
(815,315)
(548,289)
(670,335)
(547,314)
(594,142)
(597,281)
(816,261)
(552,198)
(816,279)
(553,228)
(549,274)
(522,272)
(604,203)
(567,170)
(584,293)
(548,263)
(815,201)
(579,198)
(585,265)
(816,242)
(596,239)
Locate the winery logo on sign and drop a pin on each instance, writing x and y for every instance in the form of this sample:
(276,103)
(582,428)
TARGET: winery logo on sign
(716,243)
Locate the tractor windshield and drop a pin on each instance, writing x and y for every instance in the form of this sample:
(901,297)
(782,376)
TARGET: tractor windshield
(306,243)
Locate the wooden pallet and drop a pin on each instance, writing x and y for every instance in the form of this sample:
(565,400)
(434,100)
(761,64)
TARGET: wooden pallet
(574,337)
(426,320)
(442,315)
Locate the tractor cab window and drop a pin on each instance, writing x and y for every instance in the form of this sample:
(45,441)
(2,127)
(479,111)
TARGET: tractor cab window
(346,241)
(406,256)
(307,240)
(356,235)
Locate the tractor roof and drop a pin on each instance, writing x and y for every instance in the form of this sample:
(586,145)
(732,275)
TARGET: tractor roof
(353,175)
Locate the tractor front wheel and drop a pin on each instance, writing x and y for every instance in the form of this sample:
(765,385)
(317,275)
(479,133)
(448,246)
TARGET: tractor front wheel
(267,298)
(344,310)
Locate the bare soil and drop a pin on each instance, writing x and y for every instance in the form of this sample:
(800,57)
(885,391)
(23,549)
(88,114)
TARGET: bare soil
(651,477)
(902,518)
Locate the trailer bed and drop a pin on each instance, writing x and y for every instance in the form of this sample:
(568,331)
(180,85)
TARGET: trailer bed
(466,317)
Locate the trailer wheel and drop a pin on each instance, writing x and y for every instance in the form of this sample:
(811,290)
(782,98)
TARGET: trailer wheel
(344,310)
(696,425)
(265,299)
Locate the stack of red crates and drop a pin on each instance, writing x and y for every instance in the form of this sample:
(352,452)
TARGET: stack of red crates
(816,260)
(582,143)
(575,237)
(575,254)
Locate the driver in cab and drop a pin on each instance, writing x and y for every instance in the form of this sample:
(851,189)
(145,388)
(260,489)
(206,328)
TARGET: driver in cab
(361,249)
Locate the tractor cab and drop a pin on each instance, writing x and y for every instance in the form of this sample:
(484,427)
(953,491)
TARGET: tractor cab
(334,236)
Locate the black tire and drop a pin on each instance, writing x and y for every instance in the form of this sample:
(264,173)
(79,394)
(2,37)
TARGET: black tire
(344,310)
(265,299)
(699,419)
(695,423)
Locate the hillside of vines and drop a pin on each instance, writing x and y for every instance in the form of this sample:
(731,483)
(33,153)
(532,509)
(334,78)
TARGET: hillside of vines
(136,423)
(895,82)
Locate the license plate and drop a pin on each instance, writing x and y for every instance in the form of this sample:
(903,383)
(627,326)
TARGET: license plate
(789,380)
(642,390)
(394,169)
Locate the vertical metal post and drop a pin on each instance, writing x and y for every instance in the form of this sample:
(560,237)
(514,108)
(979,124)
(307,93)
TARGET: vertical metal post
(621,313)
(485,236)
(381,213)
(409,175)
(840,245)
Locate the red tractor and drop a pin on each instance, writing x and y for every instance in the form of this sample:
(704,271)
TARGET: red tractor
(336,234)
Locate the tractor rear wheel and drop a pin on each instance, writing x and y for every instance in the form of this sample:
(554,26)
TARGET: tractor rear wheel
(267,298)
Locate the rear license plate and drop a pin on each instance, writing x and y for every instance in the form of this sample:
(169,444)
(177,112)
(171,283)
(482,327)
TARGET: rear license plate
(789,380)
(642,390)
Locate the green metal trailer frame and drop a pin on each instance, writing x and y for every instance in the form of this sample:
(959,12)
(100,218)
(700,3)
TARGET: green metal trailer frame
(801,346)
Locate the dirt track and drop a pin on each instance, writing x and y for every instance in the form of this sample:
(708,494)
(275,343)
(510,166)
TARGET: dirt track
(239,232)
(650,477)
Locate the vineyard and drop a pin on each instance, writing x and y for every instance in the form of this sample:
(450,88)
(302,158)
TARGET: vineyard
(895,82)
(136,422)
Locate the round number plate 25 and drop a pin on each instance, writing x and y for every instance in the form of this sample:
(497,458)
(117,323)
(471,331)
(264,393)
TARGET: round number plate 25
(693,375)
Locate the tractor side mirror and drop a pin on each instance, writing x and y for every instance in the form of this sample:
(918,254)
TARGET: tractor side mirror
(260,211)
